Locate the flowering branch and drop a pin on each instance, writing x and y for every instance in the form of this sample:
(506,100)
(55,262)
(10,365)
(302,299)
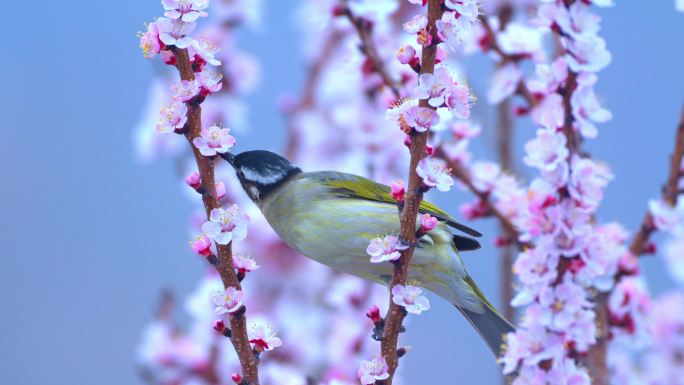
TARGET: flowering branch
(671,191)
(459,172)
(205,165)
(364,28)
(409,212)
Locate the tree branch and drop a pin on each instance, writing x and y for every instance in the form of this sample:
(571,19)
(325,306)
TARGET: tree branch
(670,192)
(205,166)
(364,28)
(409,213)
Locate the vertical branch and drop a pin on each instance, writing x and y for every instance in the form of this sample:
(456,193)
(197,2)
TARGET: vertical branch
(205,166)
(504,138)
(409,213)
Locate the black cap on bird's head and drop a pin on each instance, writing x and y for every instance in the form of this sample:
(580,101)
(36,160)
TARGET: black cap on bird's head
(260,172)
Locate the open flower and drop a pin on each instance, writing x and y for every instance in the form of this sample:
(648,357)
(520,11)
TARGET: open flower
(375,370)
(262,336)
(226,225)
(172,117)
(205,50)
(435,173)
(174,32)
(433,87)
(411,298)
(185,10)
(185,90)
(149,41)
(214,140)
(421,118)
(209,82)
(385,249)
(243,263)
(227,301)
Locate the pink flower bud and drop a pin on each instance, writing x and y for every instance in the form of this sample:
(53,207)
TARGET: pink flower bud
(193,180)
(168,57)
(501,241)
(429,149)
(236,378)
(219,325)
(406,53)
(427,223)
(374,314)
(650,248)
(398,190)
(201,245)
(220,190)
(339,10)
(407,141)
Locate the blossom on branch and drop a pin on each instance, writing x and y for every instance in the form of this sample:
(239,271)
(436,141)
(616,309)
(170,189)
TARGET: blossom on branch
(385,249)
(435,173)
(227,301)
(374,370)
(410,298)
(214,140)
(226,225)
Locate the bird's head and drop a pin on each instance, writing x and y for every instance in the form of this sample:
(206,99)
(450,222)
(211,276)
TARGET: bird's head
(260,172)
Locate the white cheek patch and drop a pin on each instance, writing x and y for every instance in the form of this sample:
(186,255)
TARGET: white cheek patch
(270,177)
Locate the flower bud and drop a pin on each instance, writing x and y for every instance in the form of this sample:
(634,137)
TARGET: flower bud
(193,180)
(374,314)
(398,190)
(202,246)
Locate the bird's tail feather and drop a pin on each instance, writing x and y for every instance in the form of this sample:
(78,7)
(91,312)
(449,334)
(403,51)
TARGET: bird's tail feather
(491,326)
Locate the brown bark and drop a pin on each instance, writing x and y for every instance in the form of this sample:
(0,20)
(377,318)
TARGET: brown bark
(205,166)
(414,195)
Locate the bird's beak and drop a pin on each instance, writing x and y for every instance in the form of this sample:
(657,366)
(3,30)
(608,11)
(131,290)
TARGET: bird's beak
(229,157)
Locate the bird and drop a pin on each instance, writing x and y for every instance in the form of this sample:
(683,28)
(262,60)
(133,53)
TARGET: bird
(332,216)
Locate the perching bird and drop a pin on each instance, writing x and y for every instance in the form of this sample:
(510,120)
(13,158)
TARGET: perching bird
(331,217)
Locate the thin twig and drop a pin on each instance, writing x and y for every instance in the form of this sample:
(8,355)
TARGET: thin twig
(670,192)
(364,28)
(205,166)
(409,213)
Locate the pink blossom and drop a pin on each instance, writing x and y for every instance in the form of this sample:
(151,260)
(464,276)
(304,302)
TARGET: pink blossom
(530,347)
(465,8)
(433,87)
(561,303)
(518,39)
(385,249)
(586,108)
(587,182)
(398,190)
(550,112)
(172,117)
(205,50)
(201,245)
(209,82)
(629,304)
(588,53)
(458,100)
(427,222)
(214,140)
(184,90)
(410,298)
(186,10)
(263,337)
(226,225)
(149,41)
(193,180)
(375,370)
(549,77)
(484,175)
(406,54)
(547,150)
(244,263)
(417,23)
(421,118)
(227,301)
(174,32)
(473,210)
(665,217)
(504,83)
(464,130)
(450,29)
(435,173)
(220,190)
